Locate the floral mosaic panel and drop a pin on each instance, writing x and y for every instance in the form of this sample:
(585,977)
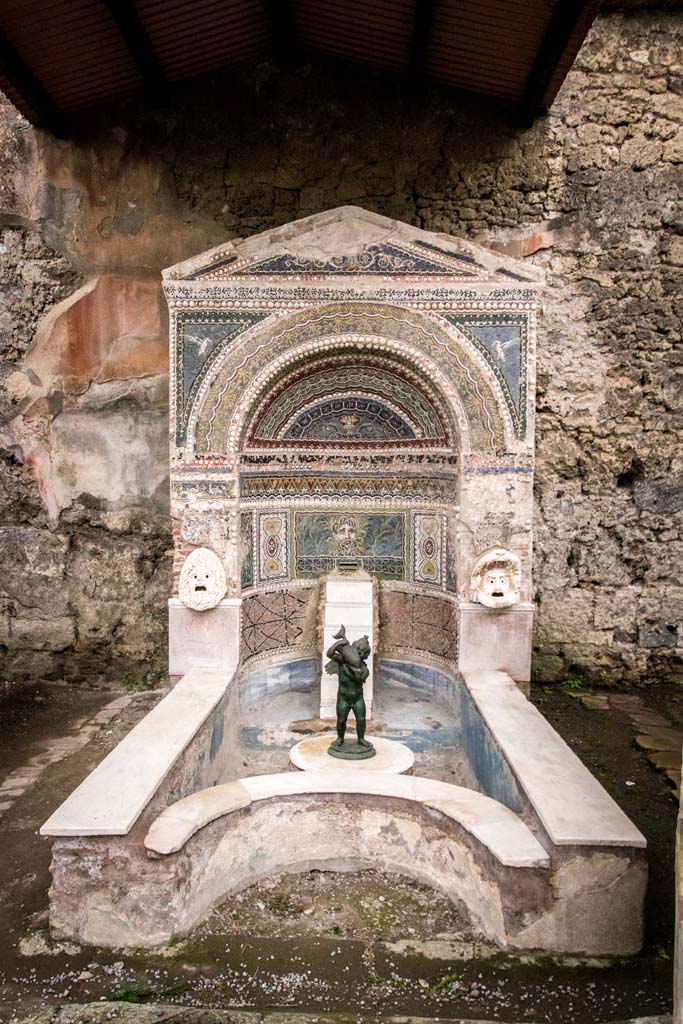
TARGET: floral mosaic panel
(422,622)
(377,540)
(273,547)
(279,620)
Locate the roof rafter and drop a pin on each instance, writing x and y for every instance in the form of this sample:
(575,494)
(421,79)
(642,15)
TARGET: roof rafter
(129,24)
(563,23)
(423,23)
(286,46)
(29,86)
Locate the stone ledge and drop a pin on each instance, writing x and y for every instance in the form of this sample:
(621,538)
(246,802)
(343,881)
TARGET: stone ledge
(109,801)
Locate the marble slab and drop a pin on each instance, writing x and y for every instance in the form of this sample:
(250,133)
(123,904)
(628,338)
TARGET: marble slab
(181,820)
(348,601)
(496,640)
(109,801)
(208,640)
(573,807)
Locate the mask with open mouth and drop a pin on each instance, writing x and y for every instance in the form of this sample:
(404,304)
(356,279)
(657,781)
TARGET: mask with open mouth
(496,579)
(203,583)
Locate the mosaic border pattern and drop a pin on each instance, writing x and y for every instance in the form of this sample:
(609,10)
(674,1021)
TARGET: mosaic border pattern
(345,486)
(429,555)
(247,550)
(273,546)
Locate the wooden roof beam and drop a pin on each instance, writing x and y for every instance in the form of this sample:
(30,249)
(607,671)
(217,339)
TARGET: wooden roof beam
(423,23)
(286,48)
(563,23)
(129,24)
(31,89)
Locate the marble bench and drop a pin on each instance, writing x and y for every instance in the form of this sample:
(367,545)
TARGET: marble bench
(112,798)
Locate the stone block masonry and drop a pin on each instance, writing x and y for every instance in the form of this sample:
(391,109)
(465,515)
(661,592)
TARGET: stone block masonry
(591,194)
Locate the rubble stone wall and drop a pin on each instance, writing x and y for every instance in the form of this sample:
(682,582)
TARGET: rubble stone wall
(592,193)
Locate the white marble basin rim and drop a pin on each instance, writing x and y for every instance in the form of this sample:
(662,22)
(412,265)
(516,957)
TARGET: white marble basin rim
(499,829)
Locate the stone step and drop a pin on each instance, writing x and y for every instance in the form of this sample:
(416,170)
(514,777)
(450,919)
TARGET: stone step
(666,760)
(660,739)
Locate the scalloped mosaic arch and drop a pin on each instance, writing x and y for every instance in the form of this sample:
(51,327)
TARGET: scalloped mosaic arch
(456,370)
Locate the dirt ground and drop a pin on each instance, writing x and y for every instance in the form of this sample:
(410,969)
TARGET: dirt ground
(364,944)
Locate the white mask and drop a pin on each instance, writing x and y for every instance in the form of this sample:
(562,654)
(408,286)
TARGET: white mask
(495,579)
(203,583)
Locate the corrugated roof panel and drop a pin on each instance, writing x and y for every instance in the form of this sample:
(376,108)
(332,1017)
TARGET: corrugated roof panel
(193,37)
(487,46)
(62,41)
(377,32)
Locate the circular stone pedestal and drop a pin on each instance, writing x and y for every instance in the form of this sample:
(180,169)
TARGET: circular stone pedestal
(392,758)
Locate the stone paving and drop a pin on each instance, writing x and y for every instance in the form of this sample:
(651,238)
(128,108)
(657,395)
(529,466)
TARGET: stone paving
(54,750)
(103,1012)
(655,734)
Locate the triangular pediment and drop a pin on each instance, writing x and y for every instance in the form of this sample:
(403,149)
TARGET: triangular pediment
(351,242)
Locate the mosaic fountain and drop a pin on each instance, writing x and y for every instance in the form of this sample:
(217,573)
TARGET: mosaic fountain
(352,416)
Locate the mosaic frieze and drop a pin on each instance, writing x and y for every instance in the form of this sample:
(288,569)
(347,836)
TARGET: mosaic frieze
(353,461)
(279,620)
(502,338)
(383,259)
(345,486)
(291,409)
(456,379)
(273,546)
(377,540)
(433,295)
(428,549)
(421,622)
(196,489)
(247,549)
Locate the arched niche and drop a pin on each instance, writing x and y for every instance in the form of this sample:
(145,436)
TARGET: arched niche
(345,385)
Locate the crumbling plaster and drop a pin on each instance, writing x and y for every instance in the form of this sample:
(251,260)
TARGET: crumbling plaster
(591,194)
